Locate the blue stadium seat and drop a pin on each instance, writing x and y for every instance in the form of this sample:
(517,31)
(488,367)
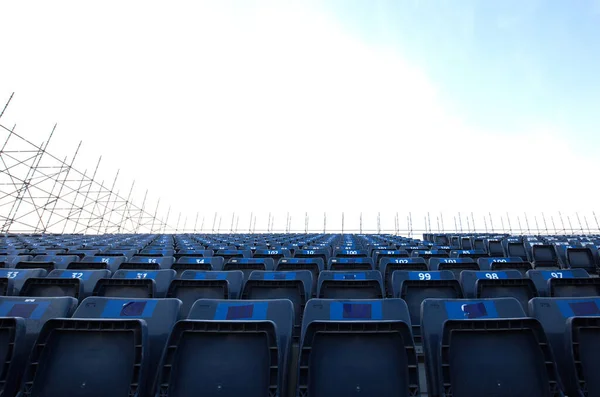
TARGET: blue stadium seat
(315,265)
(275,254)
(389,265)
(198,284)
(581,258)
(357,347)
(12,280)
(486,347)
(111,263)
(135,284)
(455,265)
(350,253)
(515,248)
(60,261)
(541,278)
(21,320)
(122,337)
(9,261)
(468,279)
(227,254)
(194,253)
(197,263)
(494,248)
(496,264)
(572,287)
(229,349)
(349,263)
(148,263)
(544,255)
(499,285)
(82,253)
(126,253)
(428,254)
(48,266)
(350,285)
(78,284)
(416,286)
(156,252)
(473,254)
(323,254)
(389,253)
(248,265)
(293,285)
(572,328)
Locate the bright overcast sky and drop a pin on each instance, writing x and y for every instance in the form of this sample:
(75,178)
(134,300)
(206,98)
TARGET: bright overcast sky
(317,106)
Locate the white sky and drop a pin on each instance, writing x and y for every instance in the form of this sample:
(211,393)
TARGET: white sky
(270,107)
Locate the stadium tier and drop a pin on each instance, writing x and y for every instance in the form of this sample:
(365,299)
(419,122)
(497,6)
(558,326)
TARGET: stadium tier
(305,315)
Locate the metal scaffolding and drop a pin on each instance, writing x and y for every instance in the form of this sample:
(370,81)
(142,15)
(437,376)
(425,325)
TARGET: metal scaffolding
(42,193)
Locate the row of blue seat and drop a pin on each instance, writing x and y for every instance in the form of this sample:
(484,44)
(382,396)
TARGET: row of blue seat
(136,347)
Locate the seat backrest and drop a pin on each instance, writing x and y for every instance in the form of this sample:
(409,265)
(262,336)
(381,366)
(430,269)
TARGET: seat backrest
(293,285)
(235,279)
(23,319)
(194,253)
(436,311)
(350,253)
(486,263)
(88,278)
(350,263)
(455,265)
(227,254)
(389,253)
(381,361)
(427,254)
(36,311)
(322,254)
(556,316)
(541,278)
(275,254)
(162,278)
(388,265)
(161,252)
(127,253)
(242,319)
(474,254)
(159,315)
(516,249)
(60,261)
(48,266)
(400,276)
(304,276)
(468,279)
(10,261)
(164,262)
(12,280)
(544,255)
(350,284)
(581,258)
(111,263)
(197,263)
(247,265)
(494,247)
(354,310)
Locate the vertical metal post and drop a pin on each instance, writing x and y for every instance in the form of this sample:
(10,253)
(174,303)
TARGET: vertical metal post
(125,209)
(87,194)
